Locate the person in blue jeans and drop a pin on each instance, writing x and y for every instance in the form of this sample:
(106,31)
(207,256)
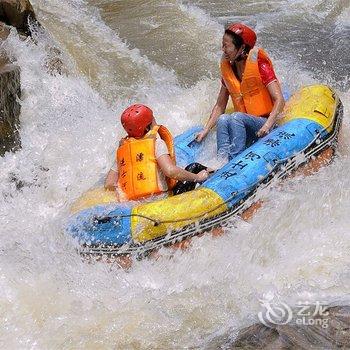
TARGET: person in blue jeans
(236,132)
(249,78)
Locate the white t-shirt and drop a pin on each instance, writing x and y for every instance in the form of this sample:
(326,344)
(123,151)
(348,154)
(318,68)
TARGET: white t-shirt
(160,149)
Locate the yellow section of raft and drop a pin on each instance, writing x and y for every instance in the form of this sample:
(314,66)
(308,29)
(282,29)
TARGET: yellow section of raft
(93,197)
(316,103)
(178,211)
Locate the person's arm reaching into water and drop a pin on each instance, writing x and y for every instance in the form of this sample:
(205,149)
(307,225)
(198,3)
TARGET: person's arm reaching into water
(111,180)
(218,109)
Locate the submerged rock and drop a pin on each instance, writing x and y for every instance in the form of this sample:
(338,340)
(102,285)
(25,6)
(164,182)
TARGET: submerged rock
(328,331)
(53,62)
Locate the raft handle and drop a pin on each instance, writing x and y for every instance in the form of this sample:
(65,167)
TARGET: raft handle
(192,143)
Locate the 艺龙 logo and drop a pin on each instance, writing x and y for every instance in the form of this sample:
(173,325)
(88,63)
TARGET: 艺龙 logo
(305,313)
(275,314)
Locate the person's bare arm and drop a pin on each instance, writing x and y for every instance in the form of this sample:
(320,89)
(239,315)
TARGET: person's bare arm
(278,104)
(218,109)
(172,171)
(111,180)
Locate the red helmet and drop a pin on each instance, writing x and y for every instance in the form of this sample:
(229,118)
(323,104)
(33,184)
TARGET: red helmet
(135,120)
(246,33)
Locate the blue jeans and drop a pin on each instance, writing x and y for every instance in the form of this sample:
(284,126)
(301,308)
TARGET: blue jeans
(235,132)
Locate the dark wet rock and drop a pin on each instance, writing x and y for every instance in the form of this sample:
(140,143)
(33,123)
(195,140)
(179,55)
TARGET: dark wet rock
(328,331)
(9,108)
(4,32)
(256,336)
(18,14)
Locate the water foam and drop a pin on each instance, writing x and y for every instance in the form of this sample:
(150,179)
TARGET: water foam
(294,248)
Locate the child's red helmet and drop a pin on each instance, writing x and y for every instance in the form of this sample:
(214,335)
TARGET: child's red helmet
(135,120)
(246,33)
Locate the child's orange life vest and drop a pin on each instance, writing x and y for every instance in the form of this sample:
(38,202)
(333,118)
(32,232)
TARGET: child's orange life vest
(250,95)
(137,164)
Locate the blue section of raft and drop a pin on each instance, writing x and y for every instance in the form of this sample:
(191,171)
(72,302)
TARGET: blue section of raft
(102,225)
(238,177)
(187,149)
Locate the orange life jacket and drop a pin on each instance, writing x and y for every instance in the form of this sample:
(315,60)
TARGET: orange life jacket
(137,164)
(251,95)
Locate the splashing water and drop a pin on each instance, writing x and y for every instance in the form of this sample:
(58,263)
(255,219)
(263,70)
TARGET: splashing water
(295,248)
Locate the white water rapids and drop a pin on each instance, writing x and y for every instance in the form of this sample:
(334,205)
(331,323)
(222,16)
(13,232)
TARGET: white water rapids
(164,54)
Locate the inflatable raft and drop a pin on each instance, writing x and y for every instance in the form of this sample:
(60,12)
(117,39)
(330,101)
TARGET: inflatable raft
(307,132)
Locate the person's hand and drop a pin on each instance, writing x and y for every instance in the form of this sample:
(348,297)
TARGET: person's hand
(202,176)
(117,195)
(264,130)
(200,136)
